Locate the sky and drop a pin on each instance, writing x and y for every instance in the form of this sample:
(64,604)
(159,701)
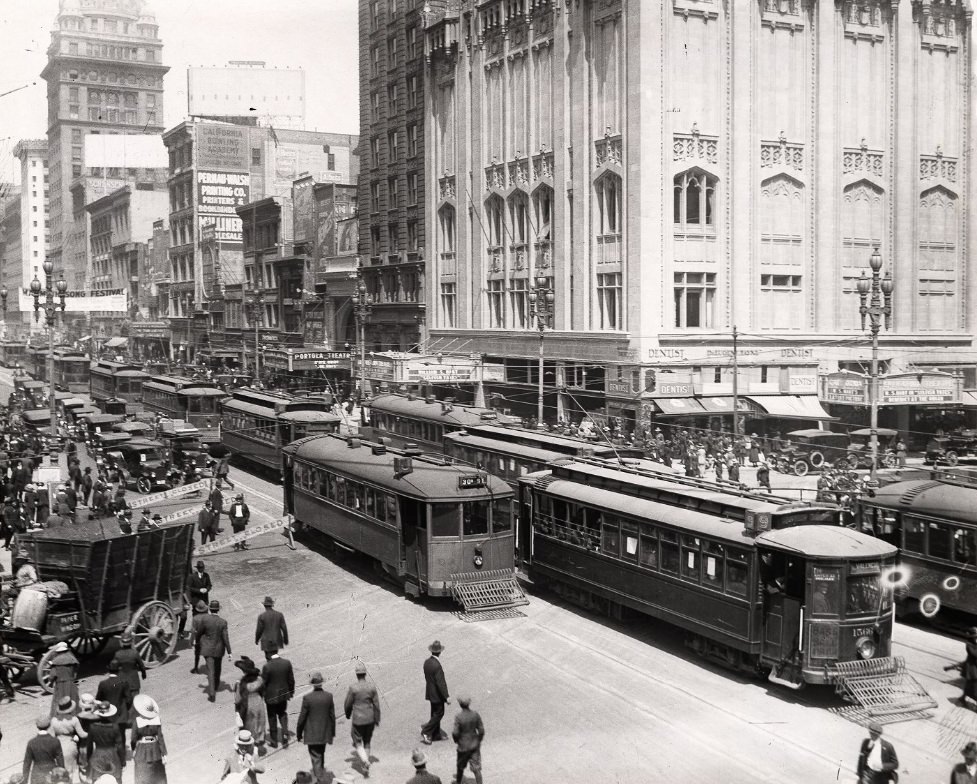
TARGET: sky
(319,36)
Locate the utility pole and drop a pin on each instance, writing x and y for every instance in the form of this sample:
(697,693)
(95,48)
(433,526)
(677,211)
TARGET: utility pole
(736,386)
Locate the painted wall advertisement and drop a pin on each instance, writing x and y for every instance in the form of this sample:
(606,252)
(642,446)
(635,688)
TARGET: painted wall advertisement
(223,147)
(218,196)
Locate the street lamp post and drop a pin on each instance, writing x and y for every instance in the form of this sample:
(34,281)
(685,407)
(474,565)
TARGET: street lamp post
(255,308)
(362,308)
(541,308)
(50,305)
(875,301)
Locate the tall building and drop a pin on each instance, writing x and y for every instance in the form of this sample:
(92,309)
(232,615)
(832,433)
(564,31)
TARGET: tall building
(11,237)
(104,76)
(692,178)
(33,241)
(391,185)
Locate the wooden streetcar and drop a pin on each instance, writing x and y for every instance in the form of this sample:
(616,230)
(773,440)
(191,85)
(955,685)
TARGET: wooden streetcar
(95,582)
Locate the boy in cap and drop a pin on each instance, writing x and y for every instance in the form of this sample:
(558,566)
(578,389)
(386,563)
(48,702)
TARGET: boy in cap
(43,754)
(362,707)
(421,776)
(468,733)
(877,760)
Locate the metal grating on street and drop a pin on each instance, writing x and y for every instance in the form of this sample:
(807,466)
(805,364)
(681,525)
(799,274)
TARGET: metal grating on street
(489,615)
(882,691)
(496,589)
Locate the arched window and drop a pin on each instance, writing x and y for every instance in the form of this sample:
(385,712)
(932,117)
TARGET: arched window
(519,218)
(695,199)
(938,231)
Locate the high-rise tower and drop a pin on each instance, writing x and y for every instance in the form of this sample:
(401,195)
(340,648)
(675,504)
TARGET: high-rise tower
(104,76)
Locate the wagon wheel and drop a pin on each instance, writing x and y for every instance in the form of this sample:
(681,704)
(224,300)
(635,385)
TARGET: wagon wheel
(13,667)
(87,643)
(154,632)
(45,675)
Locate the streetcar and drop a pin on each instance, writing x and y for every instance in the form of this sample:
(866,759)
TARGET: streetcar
(423,421)
(807,604)
(188,399)
(438,529)
(71,370)
(35,362)
(112,381)
(256,423)
(12,353)
(933,522)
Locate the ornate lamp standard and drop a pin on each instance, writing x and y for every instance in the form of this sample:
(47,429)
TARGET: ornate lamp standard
(875,298)
(541,308)
(254,310)
(50,307)
(362,308)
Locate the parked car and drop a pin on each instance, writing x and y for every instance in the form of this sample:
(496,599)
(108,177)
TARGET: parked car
(140,463)
(950,448)
(805,450)
(860,447)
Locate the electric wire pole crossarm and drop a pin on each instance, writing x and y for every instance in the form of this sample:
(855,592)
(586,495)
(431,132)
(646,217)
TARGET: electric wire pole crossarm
(875,301)
(541,300)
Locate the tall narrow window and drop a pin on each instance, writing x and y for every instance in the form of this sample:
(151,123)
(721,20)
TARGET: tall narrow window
(695,294)
(495,221)
(609,300)
(519,299)
(446,218)
(448,297)
(519,218)
(695,199)
(609,205)
(496,303)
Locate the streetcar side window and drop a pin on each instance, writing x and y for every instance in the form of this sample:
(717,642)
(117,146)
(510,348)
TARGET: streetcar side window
(444,519)
(610,536)
(391,501)
(669,552)
(629,541)
(940,541)
(964,550)
(737,568)
(690,558)
(712,565)
(914,539)
(475,518)
(649,548)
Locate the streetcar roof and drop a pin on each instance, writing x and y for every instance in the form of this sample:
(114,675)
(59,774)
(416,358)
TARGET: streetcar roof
(431,479)
(435,410)
(929,497)
(826,541)
(470,439)
(558,442)
(308,415)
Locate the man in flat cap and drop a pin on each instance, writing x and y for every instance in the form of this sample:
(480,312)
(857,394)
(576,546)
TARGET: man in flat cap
(966,772)
(467,734)
(877,760)
(436,692)
(271,633)
(42,755)
(363,710)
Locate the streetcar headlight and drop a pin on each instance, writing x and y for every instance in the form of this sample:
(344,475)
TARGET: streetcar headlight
(478,559)
(865,647)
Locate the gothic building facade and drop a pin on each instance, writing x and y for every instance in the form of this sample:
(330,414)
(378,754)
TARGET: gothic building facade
(672,169)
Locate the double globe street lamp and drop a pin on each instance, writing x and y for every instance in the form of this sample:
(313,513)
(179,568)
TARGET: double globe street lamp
(50,305)
(541,309)
(362,308)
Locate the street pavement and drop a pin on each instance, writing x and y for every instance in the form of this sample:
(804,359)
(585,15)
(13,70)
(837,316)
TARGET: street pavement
(566,696)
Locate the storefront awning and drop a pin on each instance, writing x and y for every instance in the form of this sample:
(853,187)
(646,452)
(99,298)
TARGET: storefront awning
(677,406)
(790,406)
(115,342)
(720,405)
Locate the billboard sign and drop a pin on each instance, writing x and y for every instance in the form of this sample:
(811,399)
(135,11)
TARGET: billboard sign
(919,388)
(223,147)
(78,301)
(218,196)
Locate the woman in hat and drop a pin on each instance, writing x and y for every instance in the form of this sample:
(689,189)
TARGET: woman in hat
(249,702)
(64,669)
(242,767)
(86,717)
(68,730)
(106,743)
(148,746)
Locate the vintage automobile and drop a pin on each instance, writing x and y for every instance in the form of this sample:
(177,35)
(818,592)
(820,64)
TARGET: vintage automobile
(805,450)
(140,463)
(104,442)
(860,447)
(950,448)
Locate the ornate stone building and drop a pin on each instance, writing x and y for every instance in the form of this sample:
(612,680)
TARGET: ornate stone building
(672,168)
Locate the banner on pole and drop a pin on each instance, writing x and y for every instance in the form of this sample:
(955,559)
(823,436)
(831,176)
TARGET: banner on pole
(79,301)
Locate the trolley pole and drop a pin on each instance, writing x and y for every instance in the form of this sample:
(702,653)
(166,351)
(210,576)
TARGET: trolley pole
(541,308)
(50,305)
(875,301)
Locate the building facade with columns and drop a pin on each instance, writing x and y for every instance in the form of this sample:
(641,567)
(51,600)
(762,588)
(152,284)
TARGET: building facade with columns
(676,169)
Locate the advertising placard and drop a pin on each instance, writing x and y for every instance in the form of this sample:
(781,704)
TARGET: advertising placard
(218,196)
(78,301)
(223,147)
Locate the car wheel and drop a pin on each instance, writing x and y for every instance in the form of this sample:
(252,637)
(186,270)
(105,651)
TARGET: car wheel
(951,458)
(890,461)
(817,459)
(800,468)
(144,486)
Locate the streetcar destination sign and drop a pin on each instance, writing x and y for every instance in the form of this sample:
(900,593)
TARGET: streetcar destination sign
(471,481)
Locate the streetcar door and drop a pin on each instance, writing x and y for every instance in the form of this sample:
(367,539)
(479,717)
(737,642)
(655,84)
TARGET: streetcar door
(413,538)
(288,484)
(783,597)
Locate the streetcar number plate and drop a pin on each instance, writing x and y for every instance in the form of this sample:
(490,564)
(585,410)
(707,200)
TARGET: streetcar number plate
(469,481)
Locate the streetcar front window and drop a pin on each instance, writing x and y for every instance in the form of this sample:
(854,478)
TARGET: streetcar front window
(444,519)
(501,515)
(865,595)
(475,518)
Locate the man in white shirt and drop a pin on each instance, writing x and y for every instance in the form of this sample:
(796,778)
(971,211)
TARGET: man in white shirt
(966,772)
(877,761)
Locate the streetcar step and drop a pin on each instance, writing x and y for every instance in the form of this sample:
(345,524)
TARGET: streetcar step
(492,590)
(882,689)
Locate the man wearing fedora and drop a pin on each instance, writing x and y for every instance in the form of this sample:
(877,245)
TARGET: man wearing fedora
(271,632)
(42,755)
(421,776)
(468,733)
(207,523)
(316,726)
(131,665)
(279,680)
(436,692)
(211,632)
(966,772)
(877,760)
(362,707)
(198,591)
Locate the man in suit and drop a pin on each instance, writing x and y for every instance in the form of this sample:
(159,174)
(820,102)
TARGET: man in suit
(279,682)
(131,665)
(42,755)
(362,707)
(316,726)
(468,733)
(211,631)
(198,590)
(271,632)
(207,524)
(877,760)
(115,691)
(436,692)
(421,776)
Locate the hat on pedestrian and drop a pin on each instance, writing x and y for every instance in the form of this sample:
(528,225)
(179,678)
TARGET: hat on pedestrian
(145,706)
(86,703)
(105,778)
(418,758)
(126,637)
(435,647)
(360,668)
(66,705)
(239,497)
(200,606)
(970,748)
(302,777)
(157,516)
(875,727)
(43,722)
(315,678)
(464,701)
(200,565)
(61,647)
(105,709)
(113,665)
(244,738)
(268,602)
(215,605)
(246,665)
